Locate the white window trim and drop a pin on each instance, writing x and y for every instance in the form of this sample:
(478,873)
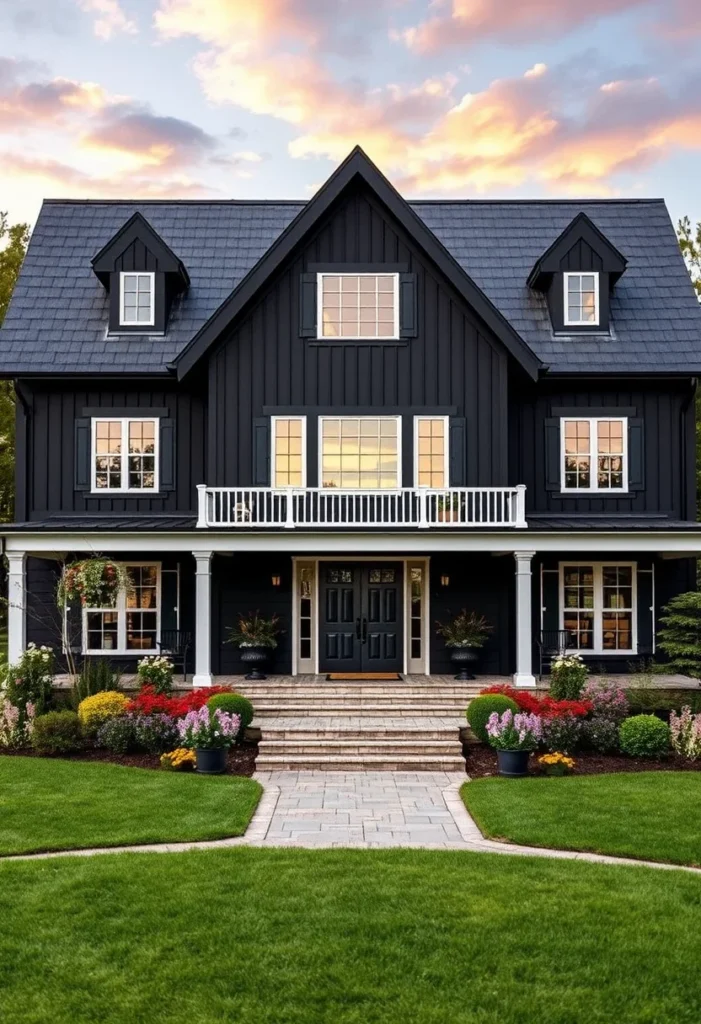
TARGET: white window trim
(446,451)
(273,438)
(359,490)
(121,609)
(320,336)
(598,649)
(125,421)
(593,422)
(123,322)
(581,323)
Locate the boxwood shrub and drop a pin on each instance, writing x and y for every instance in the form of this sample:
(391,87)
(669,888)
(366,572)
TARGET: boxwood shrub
(233,704)
(57,732)
(644,736)
(480,708)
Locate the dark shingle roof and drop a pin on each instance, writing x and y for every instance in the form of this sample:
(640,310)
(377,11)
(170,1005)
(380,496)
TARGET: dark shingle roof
(57,320)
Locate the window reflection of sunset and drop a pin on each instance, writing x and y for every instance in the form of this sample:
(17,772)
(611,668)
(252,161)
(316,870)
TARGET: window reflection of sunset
(360,453)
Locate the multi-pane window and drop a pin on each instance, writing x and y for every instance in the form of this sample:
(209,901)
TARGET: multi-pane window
(124,455)
(416,614)
(431,451)
(288,452)
(358,305)
(360,452)
(132,624)
(598,607)
(581,300)
(136,300)
(594,454)
(306,589)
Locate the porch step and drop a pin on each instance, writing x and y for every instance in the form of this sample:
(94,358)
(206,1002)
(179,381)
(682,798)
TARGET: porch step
(373,709)
(339,762)
(359,744)
(299,730)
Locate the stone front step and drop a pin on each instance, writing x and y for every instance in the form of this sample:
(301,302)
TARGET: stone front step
(298,733)
(373,709)
(416,746)
(360,762)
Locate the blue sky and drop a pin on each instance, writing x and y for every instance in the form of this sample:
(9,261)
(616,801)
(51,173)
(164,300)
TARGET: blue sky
(262,98)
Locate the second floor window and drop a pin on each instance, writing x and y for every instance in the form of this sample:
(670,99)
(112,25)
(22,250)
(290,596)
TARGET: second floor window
(358,306)
(581,300)
(136,300)
(360,452)
(125,454)
(594,454)
(431,451)
(289,460)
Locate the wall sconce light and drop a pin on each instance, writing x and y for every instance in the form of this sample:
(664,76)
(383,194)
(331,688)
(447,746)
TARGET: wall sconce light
(445,581)
(276,581)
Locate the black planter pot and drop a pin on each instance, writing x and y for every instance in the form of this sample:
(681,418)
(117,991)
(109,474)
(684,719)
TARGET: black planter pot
(513,763)
(462,658)
(257,659)
(211,760)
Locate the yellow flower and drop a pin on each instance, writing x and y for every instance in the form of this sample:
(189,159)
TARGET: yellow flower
(95,710)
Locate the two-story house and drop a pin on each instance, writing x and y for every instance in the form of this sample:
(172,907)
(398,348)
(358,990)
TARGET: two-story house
(361,413)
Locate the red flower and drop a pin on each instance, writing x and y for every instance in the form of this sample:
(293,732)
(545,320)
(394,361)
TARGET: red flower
(546,707)
(148,702)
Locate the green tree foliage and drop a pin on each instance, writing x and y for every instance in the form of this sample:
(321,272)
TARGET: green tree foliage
(680,635)
(13,246)
(690,245)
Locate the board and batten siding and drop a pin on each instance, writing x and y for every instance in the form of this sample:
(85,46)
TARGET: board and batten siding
(453,363)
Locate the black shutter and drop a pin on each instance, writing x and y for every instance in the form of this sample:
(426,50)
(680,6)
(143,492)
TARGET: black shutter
(645,609)
(458,470)
(408,312)
(307,306)
(551,597)
(166,443)
(552,455)
(83,445)
(636,454)
(261,452)
(169,599)
(74,627)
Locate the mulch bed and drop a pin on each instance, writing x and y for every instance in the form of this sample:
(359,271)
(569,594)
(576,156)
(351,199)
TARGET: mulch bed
(481,761)
(242,759)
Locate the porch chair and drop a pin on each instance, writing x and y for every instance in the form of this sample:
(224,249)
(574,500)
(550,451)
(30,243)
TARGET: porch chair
(550,643)
(175,644)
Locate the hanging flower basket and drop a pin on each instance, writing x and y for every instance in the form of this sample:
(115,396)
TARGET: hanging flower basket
(95,582)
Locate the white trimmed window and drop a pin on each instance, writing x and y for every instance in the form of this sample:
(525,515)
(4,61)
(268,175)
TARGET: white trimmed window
(431,451)
(289,467)
(124,454)
(581,300)
(360,452)
(594,454)
(137,300)
(133,625)
(598,606)
(358,305)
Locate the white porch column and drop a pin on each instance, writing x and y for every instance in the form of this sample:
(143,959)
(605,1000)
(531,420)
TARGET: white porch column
(524,623)
(16,606)
(203,618)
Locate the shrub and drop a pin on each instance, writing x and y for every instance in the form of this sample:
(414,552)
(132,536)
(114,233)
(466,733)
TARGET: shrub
(178,760)
(685,733)
(57,732)
(644,736)
(157,672)
(235,704)
(680,635)
(602,734)
(155,733)
(546,706)
(608,699)
(649,699)
(118,734)
(479,710)
(562,733)
(568,674)
(15,727)
(96,676)
(95,710)
(29,680)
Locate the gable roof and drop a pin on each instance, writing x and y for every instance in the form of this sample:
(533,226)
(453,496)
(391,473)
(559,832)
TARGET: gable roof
(138,228)
(57,320)
(614,263)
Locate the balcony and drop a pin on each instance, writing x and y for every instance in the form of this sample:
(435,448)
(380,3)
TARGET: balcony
(314,508)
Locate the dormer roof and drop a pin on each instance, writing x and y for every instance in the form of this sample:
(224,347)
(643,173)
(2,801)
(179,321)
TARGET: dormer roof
(580,229)
(137,231)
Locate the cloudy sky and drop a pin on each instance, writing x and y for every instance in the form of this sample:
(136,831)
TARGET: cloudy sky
(262,98)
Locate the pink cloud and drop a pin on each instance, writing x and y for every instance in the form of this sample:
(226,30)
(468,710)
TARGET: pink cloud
(165,142)
(110,19)
(22,103)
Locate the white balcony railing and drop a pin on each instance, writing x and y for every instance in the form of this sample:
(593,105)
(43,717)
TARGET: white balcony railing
(317,508)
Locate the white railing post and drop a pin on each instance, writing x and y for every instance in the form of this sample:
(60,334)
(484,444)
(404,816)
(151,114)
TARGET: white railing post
(520,520)
(201,506)
(289,511)
(423,509)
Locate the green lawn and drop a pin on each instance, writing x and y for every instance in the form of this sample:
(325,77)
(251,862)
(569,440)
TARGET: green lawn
(48,804)
(651,815)
(260,936)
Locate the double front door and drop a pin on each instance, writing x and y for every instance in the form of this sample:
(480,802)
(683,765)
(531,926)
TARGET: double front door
(361,613)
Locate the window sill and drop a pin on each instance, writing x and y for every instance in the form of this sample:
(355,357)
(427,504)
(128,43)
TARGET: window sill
(113,652)
(602,654)
(108,492)
(396,342)
(575,492)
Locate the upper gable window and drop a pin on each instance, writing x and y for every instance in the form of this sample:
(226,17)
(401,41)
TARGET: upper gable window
(358,306)
(581,299)
(137,300)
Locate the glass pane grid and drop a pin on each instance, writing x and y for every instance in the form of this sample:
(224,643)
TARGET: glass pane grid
(137,298)
(431,453)
(358,306)
(577,454)
(581,298)
(600,599)
(288,465)
(108,454)
(610,454)
(125,445)
(360,454)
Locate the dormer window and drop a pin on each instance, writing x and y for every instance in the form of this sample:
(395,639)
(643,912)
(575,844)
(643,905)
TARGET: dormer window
(137,300)
(581,299)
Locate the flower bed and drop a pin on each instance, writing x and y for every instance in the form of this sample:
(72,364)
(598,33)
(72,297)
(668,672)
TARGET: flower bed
(241,760)
(149,702)
(481,761)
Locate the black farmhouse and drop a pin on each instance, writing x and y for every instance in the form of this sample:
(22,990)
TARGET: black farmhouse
(361,413)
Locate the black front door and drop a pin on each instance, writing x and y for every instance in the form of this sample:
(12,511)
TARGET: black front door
(360,627)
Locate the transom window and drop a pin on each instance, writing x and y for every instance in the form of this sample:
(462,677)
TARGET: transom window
(289,461)
(136,300)
(125,454)
(594,454)
(581,300)
(360,452)
(431,451)
(598,607)
(133,624)
(358,305)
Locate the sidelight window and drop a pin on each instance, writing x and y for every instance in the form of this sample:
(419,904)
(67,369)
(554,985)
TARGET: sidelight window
(598,607)
(360,452)
(358,306)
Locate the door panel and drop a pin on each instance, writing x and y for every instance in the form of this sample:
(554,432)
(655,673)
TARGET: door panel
(362,617)
(339,628)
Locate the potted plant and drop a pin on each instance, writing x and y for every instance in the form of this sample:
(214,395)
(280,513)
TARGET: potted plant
(210,734)
(464,635)
(256,637)
(514,736)
(450,508)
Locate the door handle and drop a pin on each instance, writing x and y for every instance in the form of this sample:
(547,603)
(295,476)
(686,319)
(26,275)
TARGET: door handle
(358,634)
(365,630)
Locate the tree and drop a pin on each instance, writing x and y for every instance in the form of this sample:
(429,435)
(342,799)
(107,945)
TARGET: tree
(680,635)
(13,245)
(690,245)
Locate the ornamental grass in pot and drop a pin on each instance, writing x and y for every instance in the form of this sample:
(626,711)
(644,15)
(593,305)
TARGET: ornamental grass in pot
(209,734)
(514,736)
(256,636)
(464,635)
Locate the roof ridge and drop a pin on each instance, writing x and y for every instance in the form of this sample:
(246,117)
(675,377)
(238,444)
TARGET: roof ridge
(647,200)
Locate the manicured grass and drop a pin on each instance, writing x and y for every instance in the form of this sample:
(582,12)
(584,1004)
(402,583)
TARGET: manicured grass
(651,815)
(346,937)
(48,804)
